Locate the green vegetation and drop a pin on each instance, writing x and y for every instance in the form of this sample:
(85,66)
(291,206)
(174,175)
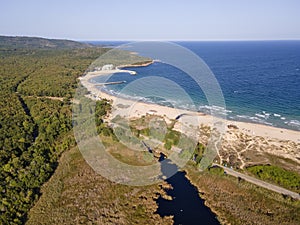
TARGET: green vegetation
(277,175)
(38,78)
(141,63)
(198,153)
(35,128)
(240,202)
(28,160)
(75,194)
(102,108)
(155,127)
(56,72)
(171,138)
(7,42)
(125,136)
(216,171)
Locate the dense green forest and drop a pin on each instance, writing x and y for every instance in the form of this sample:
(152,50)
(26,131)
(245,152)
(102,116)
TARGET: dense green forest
(35,128)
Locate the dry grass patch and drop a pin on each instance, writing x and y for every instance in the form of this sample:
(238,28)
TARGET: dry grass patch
(77,195)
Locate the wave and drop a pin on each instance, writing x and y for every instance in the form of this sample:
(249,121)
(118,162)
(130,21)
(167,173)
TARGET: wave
(152,100)
(255,119)
(266,118)
(261,116)
(213,109)
(293,123)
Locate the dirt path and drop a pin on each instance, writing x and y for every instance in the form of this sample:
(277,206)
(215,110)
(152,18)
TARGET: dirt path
(260,183)
(49,97)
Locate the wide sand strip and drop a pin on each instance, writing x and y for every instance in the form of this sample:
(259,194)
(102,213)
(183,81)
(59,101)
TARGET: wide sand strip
(137,109)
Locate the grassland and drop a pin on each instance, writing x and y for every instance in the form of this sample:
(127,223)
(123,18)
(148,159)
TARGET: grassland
(77,195)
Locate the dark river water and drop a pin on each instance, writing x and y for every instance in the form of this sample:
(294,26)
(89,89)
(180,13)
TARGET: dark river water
(186,206)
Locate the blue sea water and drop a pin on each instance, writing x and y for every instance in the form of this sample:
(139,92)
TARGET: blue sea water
(260,81)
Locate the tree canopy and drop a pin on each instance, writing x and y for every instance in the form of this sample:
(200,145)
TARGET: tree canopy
(35,129)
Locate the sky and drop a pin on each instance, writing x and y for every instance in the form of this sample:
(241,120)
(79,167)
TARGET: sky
(152,19)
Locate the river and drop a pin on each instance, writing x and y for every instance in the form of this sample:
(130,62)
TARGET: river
(186,206)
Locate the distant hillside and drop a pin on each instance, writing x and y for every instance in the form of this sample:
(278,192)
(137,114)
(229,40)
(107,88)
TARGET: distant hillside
(39,43)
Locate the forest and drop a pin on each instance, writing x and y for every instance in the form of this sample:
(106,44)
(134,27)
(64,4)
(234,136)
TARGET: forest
(35,127)
(7,42)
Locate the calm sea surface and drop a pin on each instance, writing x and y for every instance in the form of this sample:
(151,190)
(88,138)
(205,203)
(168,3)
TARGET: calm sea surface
(260,81)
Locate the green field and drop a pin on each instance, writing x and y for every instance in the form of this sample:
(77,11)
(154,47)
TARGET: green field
(277,175)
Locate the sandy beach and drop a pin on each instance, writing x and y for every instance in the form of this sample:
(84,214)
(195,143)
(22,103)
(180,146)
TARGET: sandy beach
(138,109)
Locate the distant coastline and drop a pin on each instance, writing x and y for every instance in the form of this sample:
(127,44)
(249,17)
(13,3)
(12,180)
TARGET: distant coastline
(138,64)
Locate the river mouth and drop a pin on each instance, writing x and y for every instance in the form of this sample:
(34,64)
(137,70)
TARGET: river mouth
(186,207)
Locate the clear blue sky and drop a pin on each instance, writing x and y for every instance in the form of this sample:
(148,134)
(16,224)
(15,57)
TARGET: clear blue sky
(152,19)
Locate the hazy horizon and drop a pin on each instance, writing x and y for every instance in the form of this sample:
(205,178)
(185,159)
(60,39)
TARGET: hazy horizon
(205,20)
(133,40)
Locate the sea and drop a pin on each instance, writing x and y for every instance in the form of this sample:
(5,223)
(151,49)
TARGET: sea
(260,81)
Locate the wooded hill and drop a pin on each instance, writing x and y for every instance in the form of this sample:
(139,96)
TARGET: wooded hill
(39,43)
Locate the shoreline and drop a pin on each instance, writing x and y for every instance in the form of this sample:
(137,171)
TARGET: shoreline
(141,108)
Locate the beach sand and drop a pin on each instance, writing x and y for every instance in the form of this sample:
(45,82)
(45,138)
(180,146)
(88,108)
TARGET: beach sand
(134,109)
